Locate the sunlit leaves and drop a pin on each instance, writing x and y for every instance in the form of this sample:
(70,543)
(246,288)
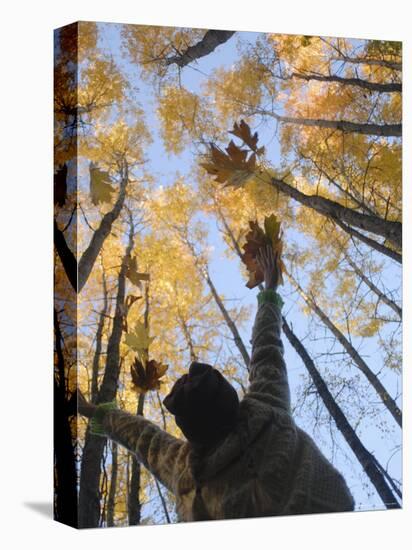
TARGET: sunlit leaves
(180,113)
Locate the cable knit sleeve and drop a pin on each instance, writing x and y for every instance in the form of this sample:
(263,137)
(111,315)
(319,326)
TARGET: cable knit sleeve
(268,377)
(157,450)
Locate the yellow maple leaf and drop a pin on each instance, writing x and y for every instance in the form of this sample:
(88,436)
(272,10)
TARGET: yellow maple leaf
(100,188)
(139,339)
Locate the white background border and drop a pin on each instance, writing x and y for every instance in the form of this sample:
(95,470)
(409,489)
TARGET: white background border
(26,269)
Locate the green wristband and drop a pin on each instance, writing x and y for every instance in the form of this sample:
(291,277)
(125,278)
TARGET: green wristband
(96,422)
(270,296)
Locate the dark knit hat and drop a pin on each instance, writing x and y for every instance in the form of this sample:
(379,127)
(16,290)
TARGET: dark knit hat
(205,405)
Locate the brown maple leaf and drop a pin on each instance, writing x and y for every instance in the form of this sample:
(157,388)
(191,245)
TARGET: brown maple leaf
(256,239)
(237,165)
(243,132)
(147,377)
(232,167)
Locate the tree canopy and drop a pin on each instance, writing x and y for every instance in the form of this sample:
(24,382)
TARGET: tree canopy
(168,143)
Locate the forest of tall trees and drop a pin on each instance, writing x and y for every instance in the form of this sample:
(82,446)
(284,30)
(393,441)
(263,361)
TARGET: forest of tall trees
(150,224)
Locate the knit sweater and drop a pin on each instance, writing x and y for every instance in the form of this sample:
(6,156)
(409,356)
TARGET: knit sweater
(266,466)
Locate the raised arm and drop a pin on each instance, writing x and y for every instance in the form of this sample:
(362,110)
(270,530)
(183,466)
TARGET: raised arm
(268,376)
(158,451)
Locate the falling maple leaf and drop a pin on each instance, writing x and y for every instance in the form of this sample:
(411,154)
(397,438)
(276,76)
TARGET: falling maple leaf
(101,189)
(258,238)
(146,377)
(243,132)
(60,185)
(139,339)
(133,275)
(234,167)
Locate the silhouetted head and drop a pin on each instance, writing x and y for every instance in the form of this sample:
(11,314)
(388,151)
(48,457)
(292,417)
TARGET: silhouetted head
(205,405)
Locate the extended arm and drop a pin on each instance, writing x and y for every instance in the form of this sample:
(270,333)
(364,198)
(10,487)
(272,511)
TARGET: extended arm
(157,450)
(268,375)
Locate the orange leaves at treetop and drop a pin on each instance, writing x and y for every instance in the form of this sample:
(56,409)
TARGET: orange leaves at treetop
(258,238)
(147,377)
(234,167)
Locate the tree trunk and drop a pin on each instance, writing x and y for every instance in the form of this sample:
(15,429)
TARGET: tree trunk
(188,337)
(386,87)
(372,378)
(203,271)
(368,462)
(368,241)
(134,503)
(111,502)
(78,273)
(211,40)
(364,60)
(65,493)
(66,256)
(98,350)
(134,506)
(387,229)
(229,321)
(345,126)
(102,232)
(89,497)
(351,192)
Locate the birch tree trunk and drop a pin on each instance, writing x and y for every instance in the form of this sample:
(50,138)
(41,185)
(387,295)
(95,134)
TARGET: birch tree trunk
(387,87)
(390,230)
(345,126)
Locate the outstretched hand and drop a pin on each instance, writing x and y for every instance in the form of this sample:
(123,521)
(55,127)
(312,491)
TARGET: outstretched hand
(267,260)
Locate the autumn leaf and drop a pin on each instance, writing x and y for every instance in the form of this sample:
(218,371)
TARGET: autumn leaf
(258,238)
(134,276)
(243,132)
(60,185)
(100,188)
(233,167)
(147,377)
(139,340)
